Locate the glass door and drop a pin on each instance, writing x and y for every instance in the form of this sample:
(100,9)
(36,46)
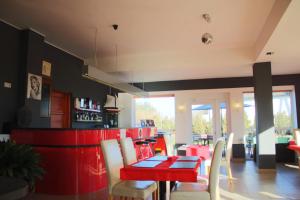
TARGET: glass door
(209,122)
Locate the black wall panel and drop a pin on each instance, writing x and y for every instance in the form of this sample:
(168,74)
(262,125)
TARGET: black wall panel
(9,64)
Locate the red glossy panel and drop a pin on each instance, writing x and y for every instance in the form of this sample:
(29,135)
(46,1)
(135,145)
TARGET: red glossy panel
(71,171)
(160,143)
(60,137)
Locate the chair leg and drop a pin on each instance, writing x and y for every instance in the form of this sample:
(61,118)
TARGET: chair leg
(154,195)
(229,174)
(110,197)
(207,170)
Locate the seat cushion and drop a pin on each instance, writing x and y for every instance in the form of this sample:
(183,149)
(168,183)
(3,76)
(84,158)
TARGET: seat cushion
(134,189)
(202,180)
(184,191)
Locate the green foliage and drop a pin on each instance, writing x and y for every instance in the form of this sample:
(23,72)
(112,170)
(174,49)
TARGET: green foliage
(247,122)
(19,161)
(200,124)
(282,122)
(147,111)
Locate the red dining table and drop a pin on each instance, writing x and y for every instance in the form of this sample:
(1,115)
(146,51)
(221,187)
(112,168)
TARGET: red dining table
(293,146)
(162,173)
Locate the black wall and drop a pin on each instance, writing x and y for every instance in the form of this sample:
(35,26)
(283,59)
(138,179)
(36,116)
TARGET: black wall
(66,77)
(10,39)
(22,52)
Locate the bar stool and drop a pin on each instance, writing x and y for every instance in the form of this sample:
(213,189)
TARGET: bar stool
(141,145)
(151,142)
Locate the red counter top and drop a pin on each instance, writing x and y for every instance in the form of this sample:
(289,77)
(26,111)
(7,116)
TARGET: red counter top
(63,137)
(72,158)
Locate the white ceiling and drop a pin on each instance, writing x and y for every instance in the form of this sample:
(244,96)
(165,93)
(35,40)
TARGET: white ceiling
(161,40)
(285,43)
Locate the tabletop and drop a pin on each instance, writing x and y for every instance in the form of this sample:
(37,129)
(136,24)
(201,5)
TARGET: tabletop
(162,171)
(294,147)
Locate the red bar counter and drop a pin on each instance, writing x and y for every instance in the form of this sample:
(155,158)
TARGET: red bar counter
(72,158)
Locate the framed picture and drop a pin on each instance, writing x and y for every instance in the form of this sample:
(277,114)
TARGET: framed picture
(34,87)
(46,68)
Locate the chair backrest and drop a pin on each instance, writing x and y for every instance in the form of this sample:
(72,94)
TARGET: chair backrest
(169,145)
(215,170)
(297,136)
(128,150)
(113,161)
(229,147)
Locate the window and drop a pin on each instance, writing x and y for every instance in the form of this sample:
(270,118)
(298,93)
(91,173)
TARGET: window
(202,119)
(282,111)
(159,109)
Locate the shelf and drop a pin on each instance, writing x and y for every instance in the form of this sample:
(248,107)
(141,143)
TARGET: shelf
(112,110)
(90,110)
(88,120)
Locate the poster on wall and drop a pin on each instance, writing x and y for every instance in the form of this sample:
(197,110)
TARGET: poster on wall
(34,87)
(46,68)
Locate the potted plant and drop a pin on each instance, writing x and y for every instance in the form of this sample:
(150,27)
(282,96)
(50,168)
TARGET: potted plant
(20,161)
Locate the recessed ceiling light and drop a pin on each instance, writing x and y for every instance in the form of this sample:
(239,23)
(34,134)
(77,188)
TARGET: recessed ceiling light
(269,53)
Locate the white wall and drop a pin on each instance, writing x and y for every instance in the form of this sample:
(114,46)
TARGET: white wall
(183,114)
(125,103)
(236,113)
(184,101)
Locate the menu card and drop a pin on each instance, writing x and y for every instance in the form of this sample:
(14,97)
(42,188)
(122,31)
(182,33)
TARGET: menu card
(189,165)
(191,158)
(161,158)
(147,164)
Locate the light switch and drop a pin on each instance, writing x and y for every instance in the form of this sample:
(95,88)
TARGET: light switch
(7,84)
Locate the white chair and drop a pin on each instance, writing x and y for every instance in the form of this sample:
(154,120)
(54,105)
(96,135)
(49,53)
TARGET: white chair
(128,150)
(169,144)
(225,162)
(129,156)
(209,191)
(116,187)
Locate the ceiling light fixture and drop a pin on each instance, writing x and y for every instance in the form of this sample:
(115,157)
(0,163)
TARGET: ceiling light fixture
(269,53)
(207,38)
(206,17)
(95,74)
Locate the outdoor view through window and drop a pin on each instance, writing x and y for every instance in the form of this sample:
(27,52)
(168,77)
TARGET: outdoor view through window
(159,109)
(282,110)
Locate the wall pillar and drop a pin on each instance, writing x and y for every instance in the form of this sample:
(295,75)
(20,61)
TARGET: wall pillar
(125,102)
(265,132)
(183,120)
(236,102)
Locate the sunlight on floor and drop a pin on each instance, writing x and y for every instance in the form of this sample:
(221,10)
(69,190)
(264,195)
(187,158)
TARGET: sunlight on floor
(274,196)
(230,195)
(292,166)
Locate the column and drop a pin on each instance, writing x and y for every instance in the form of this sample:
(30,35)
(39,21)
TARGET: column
(183,119)
(236,109)
(125,102)
(265,132)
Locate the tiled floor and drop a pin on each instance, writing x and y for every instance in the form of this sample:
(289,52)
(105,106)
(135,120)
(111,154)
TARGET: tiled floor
(248,185)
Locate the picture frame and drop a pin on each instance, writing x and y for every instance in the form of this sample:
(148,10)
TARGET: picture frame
(46,68)
(34,87)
